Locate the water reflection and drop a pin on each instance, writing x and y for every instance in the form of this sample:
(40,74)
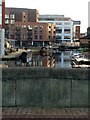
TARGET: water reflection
(61,60)
(40,61)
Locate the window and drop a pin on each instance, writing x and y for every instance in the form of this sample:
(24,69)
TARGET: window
(35,27)
(29,33)
(54,32)
(24,26)
(35,32)
(18,27)
(67,31)
(35,37)
(41,27)
(41,32)
(6,21)
(49,37)
(66,37)
(58,30)
(58,37)
(12,36)
(41,37)
(6,16)
(12,16)
(29,27)
(12,21)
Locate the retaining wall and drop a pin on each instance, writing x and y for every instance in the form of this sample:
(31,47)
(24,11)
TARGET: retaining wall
(44,87)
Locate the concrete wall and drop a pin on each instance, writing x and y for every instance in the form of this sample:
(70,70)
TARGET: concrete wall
(44,87)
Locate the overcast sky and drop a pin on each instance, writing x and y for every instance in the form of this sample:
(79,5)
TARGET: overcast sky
(75,9)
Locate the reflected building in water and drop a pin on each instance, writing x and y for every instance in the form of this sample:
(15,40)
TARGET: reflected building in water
(40,61)
(61,60)
(35,61)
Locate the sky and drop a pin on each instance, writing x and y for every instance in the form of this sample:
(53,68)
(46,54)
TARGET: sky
(75,9)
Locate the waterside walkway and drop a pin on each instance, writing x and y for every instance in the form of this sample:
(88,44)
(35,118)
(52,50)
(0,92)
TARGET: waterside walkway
(28,112)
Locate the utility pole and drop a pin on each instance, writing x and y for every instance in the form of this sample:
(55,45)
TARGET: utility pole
(2,41)
(2,26)
(89,14)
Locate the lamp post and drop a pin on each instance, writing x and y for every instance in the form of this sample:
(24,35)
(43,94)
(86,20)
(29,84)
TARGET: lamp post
(2,41)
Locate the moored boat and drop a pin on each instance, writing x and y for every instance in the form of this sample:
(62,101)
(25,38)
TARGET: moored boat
(80,63)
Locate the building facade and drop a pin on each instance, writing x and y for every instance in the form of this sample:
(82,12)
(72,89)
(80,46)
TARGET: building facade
(23,26)
(63,26)
(85,41)
(29,28)
(33,33)
(13,15)
(67,30)
(76,30)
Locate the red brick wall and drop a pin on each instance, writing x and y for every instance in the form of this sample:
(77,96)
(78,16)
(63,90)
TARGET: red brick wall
(78,31)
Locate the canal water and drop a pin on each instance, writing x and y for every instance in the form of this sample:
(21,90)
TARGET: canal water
(63,59)
(58,60)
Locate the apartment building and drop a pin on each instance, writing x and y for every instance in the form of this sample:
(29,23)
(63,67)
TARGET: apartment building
(67,30)
(63,26)
(32,33)
(22,25)
(13,15)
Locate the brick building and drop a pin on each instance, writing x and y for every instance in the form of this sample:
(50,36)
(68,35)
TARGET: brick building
(22,25)
(76,30)
(85,41)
